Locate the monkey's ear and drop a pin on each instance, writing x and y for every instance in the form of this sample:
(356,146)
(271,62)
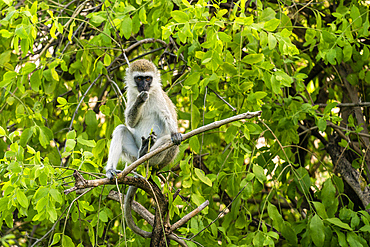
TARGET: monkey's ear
(142,138)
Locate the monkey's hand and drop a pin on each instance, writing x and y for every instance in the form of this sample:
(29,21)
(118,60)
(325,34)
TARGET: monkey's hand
(143,96)
(176,138)
(147,144)
(111,173)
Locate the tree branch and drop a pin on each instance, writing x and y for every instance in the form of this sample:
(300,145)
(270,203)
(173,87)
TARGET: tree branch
(192,133)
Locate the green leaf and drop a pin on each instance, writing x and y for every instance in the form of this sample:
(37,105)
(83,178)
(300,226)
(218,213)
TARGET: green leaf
(126,28)
(224,37)
(341,238)
(289,234)
(97,19)
(89,143)
(320,209)
(103,216)
(277,219)
(331,56)
(56,195)
(197,199)
(317,231)
(321,124)
(26,135)
(52,214)
(2,131)
(271,41)
(365,228)
(240,223)
(36,80)
(90,118)
(142,16)
(54,74)
(260,173)
(271,25)
(192,79)
(8,2)
(56,238)
(202,177)
(28,68)
(71,134)
(71,26)
(5,33)
(70,145)
(260,95)
(338,222)
(46,135)
(230,69)
(107,60)
(62,101)
(22,199)
(347,52)
(253,58)
(100,146)
(180,16)
(267,14)
(354,240)
(356,16)
(328,197)
(67,241)
(52,31)
(329,107)
(194,144)
(21,32)
(8,78)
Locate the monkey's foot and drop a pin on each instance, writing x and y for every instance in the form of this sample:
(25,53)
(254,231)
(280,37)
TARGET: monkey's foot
(176,138)
(146,144)
(111,173)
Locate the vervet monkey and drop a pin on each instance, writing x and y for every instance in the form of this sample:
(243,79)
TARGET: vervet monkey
(151,121)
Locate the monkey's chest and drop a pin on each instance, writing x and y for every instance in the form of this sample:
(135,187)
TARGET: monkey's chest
(149,123)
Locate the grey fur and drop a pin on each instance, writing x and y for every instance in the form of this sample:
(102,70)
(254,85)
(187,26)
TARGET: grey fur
(146,112)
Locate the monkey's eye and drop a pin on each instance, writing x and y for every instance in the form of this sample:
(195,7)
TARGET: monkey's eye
(148,79)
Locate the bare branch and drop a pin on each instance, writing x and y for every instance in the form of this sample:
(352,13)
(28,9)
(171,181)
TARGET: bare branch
(192,133)
(82,183)
(137,207)
(190,215)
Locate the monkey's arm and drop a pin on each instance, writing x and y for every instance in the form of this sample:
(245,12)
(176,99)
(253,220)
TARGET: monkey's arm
(133,111)
(171,125)
(169,117)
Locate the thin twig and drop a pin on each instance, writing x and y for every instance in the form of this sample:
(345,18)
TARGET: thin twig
(359,104)
(227,103)
(190,215)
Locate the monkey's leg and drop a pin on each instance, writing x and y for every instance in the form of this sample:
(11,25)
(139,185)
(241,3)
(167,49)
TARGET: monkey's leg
(146,144)
(122,146)
(167,156)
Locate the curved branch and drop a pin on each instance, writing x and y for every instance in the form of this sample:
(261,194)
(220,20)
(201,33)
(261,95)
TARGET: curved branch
(192,133)
(152,189)
(137,207)
(122,177)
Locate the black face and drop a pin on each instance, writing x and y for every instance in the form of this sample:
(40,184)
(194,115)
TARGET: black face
(143,82)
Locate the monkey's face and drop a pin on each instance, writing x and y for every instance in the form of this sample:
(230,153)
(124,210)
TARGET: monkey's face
(143,82)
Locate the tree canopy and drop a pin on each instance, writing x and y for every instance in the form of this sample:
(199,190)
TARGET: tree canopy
(296,175)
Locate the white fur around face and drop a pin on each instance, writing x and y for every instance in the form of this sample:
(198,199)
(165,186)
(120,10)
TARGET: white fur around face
(130,82)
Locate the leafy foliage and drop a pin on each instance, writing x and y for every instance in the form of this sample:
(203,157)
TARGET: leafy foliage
(298,175)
